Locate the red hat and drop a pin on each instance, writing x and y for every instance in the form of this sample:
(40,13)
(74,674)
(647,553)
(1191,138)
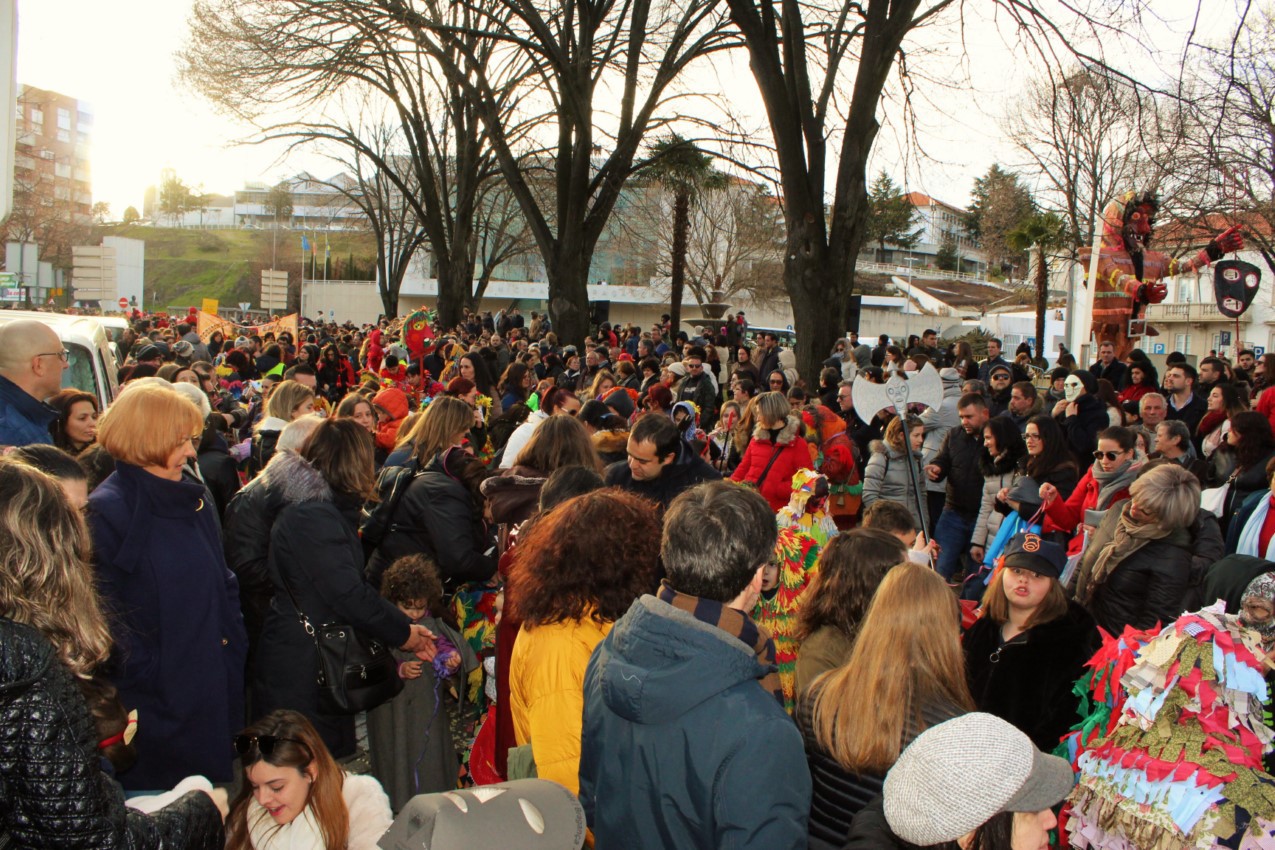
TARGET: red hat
(625,357)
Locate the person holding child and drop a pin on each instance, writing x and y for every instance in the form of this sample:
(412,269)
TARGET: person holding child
(409,737)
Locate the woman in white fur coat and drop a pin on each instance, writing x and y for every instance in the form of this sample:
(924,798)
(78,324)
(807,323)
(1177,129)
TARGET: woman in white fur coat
(294,797)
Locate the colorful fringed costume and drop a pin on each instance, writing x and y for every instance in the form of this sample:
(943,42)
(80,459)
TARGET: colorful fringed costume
(1129,275)
(807,510)
(797,555)
(833,455)
(1170,756)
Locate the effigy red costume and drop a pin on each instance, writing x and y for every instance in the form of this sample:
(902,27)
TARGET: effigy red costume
(1129,274)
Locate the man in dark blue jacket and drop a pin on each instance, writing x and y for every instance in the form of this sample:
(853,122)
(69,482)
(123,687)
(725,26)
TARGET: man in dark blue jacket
(685,742)
(31,365)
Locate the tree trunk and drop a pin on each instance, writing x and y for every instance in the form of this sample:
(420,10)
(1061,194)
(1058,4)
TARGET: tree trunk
(569,294)
(681,232)
(1042,300)
(818,303)
(455,278)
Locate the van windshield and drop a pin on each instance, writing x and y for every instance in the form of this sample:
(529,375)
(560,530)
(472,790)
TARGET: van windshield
(79,372)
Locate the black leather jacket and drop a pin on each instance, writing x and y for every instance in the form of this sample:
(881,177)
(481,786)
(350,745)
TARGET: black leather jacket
(53,792)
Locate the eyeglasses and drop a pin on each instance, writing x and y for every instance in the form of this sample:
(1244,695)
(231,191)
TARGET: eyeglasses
(264,744)
(1107,455)
(1031,437)
(62,355)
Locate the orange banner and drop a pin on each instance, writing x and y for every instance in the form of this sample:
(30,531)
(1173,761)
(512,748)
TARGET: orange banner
(208,323)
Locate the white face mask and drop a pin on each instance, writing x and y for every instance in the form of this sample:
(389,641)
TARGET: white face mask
(1073,387)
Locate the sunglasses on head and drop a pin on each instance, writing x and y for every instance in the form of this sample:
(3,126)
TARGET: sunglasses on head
(264,744)
(1107,455)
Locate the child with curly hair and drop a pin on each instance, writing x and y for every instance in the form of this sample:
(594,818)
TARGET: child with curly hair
(409,737)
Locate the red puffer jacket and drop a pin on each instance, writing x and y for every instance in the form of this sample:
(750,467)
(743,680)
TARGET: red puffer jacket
(791,453)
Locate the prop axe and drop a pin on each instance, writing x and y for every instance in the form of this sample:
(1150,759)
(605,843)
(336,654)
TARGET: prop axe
(922,387)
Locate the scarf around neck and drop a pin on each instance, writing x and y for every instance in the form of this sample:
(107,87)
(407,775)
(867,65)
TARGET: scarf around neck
(1262,587)
(733,622)
(1129,537)
(1111,483)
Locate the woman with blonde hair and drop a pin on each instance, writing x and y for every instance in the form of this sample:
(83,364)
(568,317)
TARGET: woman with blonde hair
(887,476)
(288,401)
(435,515)
(907,655)
(53,639)
(778,450)
(178,631)
(603,383)
(1136,569)
(295,796)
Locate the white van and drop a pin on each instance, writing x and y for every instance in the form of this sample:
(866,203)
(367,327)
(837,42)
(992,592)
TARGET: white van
(92,367)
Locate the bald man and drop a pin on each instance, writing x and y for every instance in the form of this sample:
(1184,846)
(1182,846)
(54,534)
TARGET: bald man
(31,364)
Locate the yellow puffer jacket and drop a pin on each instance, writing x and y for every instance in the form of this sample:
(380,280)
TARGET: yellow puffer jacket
(546,694)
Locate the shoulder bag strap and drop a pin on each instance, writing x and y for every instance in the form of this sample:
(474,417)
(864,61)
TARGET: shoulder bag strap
(774,457)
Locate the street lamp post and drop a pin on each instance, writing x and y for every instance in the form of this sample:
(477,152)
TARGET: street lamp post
(907,317)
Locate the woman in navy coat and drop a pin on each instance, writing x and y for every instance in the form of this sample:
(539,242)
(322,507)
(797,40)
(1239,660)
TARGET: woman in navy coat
(172,604)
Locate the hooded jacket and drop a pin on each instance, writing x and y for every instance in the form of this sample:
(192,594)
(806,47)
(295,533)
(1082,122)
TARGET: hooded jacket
(394,402)
(316,558)
(887,477)
(792,453)
(681,747)
(53,793)
(687,470)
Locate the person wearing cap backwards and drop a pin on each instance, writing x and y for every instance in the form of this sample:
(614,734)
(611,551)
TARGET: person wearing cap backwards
(1030,643)
(973,783)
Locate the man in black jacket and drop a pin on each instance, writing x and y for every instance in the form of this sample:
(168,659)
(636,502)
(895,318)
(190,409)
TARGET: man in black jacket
(661,465)
(958,461)
(769,360)
(1184,404)
(1109,367)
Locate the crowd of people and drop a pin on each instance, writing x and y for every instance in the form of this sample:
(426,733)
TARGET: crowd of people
(711,598)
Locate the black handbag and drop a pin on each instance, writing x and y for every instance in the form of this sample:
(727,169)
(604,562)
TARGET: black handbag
(356,672)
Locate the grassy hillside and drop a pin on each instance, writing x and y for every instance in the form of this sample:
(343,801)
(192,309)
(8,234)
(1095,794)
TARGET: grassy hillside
(185,266)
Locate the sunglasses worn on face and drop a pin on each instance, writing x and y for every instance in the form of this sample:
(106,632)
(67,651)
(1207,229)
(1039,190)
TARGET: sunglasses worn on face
(1107,455)
(264,744)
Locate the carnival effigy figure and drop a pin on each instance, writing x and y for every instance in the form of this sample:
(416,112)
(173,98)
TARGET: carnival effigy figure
(1129,274)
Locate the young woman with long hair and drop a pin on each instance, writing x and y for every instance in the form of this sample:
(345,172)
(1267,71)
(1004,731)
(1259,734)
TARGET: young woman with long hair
(295,797)
(75,429)
(851,568)
(887,475)
(54,637)
(515,384)
(1252,446)
(1048,461)
(907,656)
(1003,454)
(1223,403)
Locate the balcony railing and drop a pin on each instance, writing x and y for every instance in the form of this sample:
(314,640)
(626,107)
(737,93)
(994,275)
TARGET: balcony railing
(1189,314)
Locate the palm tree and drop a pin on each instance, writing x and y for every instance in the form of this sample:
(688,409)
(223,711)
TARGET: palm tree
(684,170)
(1044,231)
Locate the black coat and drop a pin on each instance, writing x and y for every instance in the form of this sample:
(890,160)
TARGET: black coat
(436,517)
(1082,429)
(1147,587)
(959,460)
(682,474)
(1248,482)
(220,474)
(871,831)
(315,548)
(249,518)
(1029,684)
(53,792)
(1117,373)
(837,795)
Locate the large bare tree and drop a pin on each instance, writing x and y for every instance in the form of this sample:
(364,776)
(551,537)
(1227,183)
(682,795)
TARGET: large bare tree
(609,72)
(321,61)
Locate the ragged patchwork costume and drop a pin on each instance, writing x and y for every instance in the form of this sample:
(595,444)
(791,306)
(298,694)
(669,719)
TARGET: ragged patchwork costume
(1170,754)
(807,510)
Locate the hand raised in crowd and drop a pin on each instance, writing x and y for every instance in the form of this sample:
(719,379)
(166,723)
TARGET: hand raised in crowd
(1048,494)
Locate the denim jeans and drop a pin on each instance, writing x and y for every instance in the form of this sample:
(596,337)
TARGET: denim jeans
(953,534)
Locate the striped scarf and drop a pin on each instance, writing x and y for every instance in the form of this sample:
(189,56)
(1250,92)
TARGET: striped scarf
(736,623)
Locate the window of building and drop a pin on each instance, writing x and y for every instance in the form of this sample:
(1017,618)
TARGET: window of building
(82,137)
(37,115)
(64,119)
(64,135)
(62,170)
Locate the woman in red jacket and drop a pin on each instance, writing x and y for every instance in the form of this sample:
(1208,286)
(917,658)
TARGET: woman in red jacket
(778,450)
(1104,484)
(1142,380)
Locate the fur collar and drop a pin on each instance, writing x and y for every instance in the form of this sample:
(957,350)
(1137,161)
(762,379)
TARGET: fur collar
(370,817)
(293,478)
(1003,465)
(786,435)
(882,447)
(611,441)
